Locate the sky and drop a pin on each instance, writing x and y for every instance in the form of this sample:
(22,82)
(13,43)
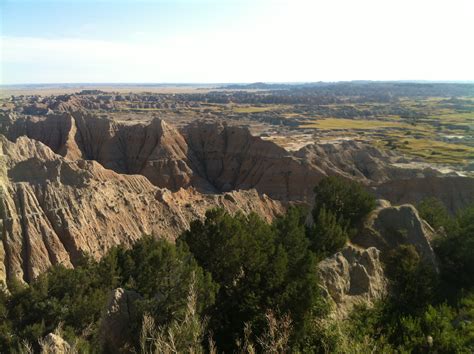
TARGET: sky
(218,41)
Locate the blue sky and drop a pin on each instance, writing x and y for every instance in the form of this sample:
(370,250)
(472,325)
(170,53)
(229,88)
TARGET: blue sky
(235,41)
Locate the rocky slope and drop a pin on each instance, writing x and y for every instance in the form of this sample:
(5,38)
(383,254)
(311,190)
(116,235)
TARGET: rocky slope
(361,161)
(455,192)
(353,276)
(210,156)
(75,183)
(231,158)
(389,226)
(154,150)
(356,274)
(115,329)
(53,210)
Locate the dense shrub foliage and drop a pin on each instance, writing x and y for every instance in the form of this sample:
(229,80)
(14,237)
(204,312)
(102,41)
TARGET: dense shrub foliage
(76,298)
(456,251)
(435,213)
(241,284)
(347,200)
(426,311)
(412,281)
(258,266)
(72,297)
(328,234)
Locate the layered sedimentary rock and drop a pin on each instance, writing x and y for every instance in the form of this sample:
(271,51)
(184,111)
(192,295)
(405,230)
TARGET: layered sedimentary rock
(212,157)
(54,210)
(153,150)
(115,329)
(231,158)
(87,183)
(455,192)
(361,161)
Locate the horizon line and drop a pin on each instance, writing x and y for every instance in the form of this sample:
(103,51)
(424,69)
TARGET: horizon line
(232,83)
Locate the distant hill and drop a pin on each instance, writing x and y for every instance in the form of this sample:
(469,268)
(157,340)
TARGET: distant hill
(350,88)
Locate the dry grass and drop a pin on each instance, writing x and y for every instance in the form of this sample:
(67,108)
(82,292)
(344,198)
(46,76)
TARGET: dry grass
(180,336)
(186,335)
(359,124)
(46,347)
(274,340)
(254,109)
(276,337)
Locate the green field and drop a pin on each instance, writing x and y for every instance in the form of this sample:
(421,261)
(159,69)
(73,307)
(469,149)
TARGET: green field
(254,109)
(422,128)
(359,124)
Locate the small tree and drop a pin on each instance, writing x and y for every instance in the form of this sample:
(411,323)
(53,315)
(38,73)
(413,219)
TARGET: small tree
(328,234)
(259,267)
(456,251)
(347,200)
(435,213)
(412,282)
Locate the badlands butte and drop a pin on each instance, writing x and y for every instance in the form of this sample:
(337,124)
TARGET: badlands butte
(85,171)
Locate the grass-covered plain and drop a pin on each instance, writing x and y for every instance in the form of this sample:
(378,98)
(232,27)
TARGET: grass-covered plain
(435,129)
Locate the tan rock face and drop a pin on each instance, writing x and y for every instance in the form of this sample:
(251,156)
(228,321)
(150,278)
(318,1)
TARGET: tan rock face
(356,274)
(352,277)
(154,150)
(94,183)
(211,157)
(455,192)
(359,160)
(115,328)
(388,227)
(231,158)
(54,210)
(54,344)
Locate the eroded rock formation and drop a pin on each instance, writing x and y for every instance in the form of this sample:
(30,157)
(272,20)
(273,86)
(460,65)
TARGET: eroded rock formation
(214,157)
(211,157)
(153,150)
(115,328)
(54,209)
(356,274)
(74,183)
(231,158)
(361,161)
(455,192)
